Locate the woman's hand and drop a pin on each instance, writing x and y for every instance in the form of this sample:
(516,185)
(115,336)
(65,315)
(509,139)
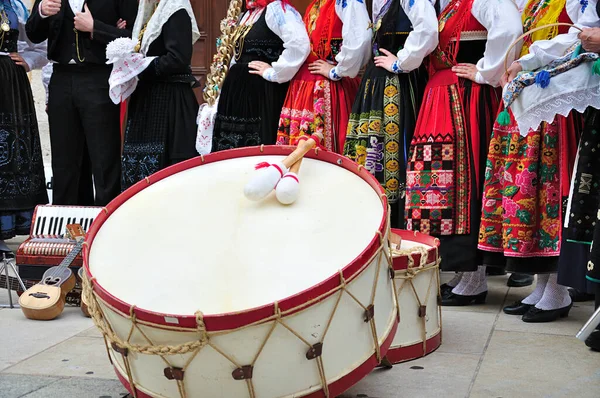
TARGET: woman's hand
(466,71)
(590,39)
(385,61)
(258,67)
(17,59)
(511,73)
(121,24)
(320,67)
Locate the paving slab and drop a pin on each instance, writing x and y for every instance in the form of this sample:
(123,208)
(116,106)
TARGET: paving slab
(437,375)
(12,386)
(523,365)
(466,332)
(75,357)
(23,338)
(75,387)
(569,326)
(91,332)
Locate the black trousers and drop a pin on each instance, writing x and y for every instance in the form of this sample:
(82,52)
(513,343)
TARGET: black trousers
(84,135)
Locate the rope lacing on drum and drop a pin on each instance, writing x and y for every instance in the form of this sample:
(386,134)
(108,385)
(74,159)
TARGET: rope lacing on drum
(412,272)
(241,372)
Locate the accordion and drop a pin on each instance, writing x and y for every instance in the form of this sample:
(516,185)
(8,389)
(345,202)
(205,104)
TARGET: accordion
(47,245)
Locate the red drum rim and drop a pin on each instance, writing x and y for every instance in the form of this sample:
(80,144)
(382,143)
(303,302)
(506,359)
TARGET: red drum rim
(229,321)
(401,262)
(398,355)
(335,388)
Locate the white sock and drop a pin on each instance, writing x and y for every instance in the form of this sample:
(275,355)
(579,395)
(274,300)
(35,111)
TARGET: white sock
(454,281)
(555,296)
(472,283)
(537,294)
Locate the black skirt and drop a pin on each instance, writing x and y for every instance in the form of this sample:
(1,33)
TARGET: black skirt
(381,128)
(161,129)
(22,181)
(248,111)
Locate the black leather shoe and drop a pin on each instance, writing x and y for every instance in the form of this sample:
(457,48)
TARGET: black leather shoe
(457,300)
(520,280)
(579,297)
(594,341)
(535,315)
(518,308)
(446,289)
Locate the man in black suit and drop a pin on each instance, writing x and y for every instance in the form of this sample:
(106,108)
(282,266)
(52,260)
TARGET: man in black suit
(80,112)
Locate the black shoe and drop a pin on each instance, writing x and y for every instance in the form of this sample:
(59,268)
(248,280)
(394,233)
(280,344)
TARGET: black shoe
(518,308)
(457,300)
(494,271)
(579,297)
(535,315)
(594,341)
(446,289)
(520,280)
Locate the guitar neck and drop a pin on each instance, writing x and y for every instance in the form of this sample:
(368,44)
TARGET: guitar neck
(72,255)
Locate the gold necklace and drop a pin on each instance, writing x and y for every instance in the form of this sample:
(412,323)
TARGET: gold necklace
(138,46)
(240,35)
(4,22)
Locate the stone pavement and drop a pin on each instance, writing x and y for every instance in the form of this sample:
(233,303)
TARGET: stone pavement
(485,353)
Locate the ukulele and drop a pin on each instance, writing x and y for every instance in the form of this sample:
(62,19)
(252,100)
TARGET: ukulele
(46,300)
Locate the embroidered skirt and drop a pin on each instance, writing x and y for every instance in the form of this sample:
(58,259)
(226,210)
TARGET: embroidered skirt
(380,129)
(526,179)
(316,104)
(446,165)
(22,181)
(248,111)
(161,129)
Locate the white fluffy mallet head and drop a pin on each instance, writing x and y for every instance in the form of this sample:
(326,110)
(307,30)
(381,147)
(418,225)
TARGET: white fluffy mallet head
(288,189)
(264,180)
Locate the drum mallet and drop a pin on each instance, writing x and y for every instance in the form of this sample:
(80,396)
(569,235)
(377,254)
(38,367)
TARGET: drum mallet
(288,188)
(268,175)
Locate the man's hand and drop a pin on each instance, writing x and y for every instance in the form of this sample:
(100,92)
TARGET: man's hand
(84,21)
(590,39)
(50,7)
(466,71)
(511,73)
(121,24)
(17,59)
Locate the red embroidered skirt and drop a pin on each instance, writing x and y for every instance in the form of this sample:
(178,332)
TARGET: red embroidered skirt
(316,104)
(526,180)
(447,163)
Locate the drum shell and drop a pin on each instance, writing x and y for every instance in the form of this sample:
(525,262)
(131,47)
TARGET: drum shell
(420,322)
(236,340)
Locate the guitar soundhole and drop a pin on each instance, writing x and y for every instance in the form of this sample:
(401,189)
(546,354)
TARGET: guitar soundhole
(40,295)
(52,281)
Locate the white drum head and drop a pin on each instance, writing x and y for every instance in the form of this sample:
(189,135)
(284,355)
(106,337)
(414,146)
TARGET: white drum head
(193,241)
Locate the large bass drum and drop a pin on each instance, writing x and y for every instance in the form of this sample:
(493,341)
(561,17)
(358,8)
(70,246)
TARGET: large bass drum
(200,292)
(417,280)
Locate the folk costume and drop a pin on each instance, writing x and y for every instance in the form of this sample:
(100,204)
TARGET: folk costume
(250,105)
(446,162)
(80,112)
(385,110)
(161,126)
(339,34)
(22,182)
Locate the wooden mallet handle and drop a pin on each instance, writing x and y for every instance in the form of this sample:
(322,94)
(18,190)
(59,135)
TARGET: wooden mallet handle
(302,149)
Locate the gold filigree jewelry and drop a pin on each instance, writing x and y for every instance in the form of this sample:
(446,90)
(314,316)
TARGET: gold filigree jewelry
(238,39)
(4,22)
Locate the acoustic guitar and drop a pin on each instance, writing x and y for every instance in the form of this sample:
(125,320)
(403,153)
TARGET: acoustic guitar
(46,300)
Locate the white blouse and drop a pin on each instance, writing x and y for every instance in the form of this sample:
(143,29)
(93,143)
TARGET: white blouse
(502,20)
(542,52)
(356,38)
(424,37)
(288,25)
